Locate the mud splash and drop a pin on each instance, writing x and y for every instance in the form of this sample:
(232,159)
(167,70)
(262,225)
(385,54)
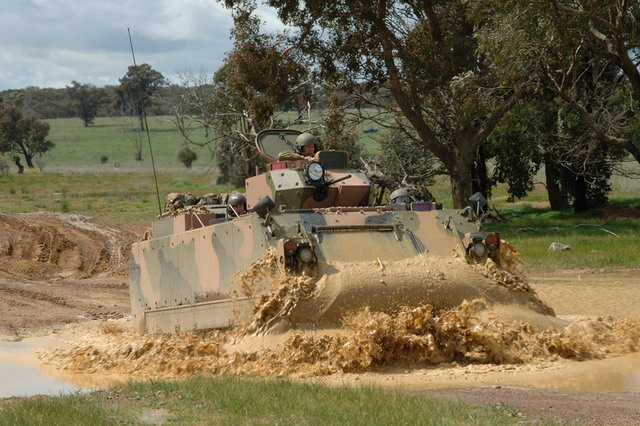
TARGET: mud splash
(301,302)
(369,340)
(501,325)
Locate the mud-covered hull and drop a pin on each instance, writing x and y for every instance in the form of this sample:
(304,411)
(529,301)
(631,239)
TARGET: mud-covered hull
(183,277)
(425,279)
(173,278)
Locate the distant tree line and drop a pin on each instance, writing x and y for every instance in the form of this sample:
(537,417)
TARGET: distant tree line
(80,100)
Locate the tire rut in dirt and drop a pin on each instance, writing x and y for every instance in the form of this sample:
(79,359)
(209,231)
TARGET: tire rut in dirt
(41,246)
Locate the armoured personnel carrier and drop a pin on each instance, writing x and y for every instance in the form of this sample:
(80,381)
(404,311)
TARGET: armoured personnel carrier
(317,216)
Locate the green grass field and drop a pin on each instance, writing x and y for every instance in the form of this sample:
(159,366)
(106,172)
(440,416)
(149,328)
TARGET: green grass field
(79,149)
(233,401)
(71,177)
(595,240)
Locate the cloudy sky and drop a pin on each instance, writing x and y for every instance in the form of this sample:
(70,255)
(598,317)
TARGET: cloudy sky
(49,43)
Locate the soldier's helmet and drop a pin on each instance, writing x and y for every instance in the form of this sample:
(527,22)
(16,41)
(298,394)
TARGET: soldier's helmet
(237,198)
(304,139)
(400,196)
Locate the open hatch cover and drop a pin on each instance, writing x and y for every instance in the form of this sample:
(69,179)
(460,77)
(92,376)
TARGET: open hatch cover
(272,142)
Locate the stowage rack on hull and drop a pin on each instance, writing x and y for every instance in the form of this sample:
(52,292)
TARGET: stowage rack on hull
(315,215)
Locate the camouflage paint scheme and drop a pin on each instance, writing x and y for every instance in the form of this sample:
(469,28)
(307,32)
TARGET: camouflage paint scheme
(181,275)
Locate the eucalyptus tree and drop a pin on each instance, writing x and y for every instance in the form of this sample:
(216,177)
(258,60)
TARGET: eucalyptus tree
(137,88)
(88,99)
(23,134)
(585,51)
(421,54)
(542,131)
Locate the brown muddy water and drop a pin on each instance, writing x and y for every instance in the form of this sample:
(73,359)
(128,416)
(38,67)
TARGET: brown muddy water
(23,375)
(598,357)
(410,348)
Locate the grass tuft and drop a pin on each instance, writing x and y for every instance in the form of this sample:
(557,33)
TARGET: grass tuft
(181,184)
(64,206)
(76,409)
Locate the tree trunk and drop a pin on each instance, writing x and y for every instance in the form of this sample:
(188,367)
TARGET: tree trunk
(480,181)
(580,195)
(20,166)
(557,198)
(461,173)
(140,110)
(29,160)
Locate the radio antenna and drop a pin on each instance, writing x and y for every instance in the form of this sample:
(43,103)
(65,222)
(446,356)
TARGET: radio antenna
(144,118)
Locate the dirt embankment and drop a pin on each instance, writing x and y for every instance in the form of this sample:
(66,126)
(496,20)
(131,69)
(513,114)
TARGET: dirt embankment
(60,268)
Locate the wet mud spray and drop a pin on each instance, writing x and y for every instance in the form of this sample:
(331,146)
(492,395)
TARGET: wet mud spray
(502,324)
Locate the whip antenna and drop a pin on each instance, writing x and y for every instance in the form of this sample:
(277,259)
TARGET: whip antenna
(144,118)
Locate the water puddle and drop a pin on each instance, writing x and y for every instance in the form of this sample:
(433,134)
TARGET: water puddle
(23,375)
(466,344)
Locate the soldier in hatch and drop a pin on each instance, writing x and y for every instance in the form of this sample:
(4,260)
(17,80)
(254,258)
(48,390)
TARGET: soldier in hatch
(401,196)
(237,205)
(306,149)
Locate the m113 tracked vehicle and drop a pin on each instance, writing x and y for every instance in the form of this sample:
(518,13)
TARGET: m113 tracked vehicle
(317,216)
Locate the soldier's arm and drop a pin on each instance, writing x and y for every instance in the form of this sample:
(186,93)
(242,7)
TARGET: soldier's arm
(289,156)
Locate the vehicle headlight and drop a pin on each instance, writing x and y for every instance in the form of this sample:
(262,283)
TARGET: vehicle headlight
(479,249)
(315,171)
(305,254)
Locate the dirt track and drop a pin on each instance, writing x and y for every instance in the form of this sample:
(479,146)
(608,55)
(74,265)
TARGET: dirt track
(611,408)
(57,269)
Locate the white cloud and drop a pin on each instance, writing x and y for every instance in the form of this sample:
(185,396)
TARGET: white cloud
(270,20)
(49,43)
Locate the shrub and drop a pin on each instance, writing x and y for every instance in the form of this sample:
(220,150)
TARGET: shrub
(186,156)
